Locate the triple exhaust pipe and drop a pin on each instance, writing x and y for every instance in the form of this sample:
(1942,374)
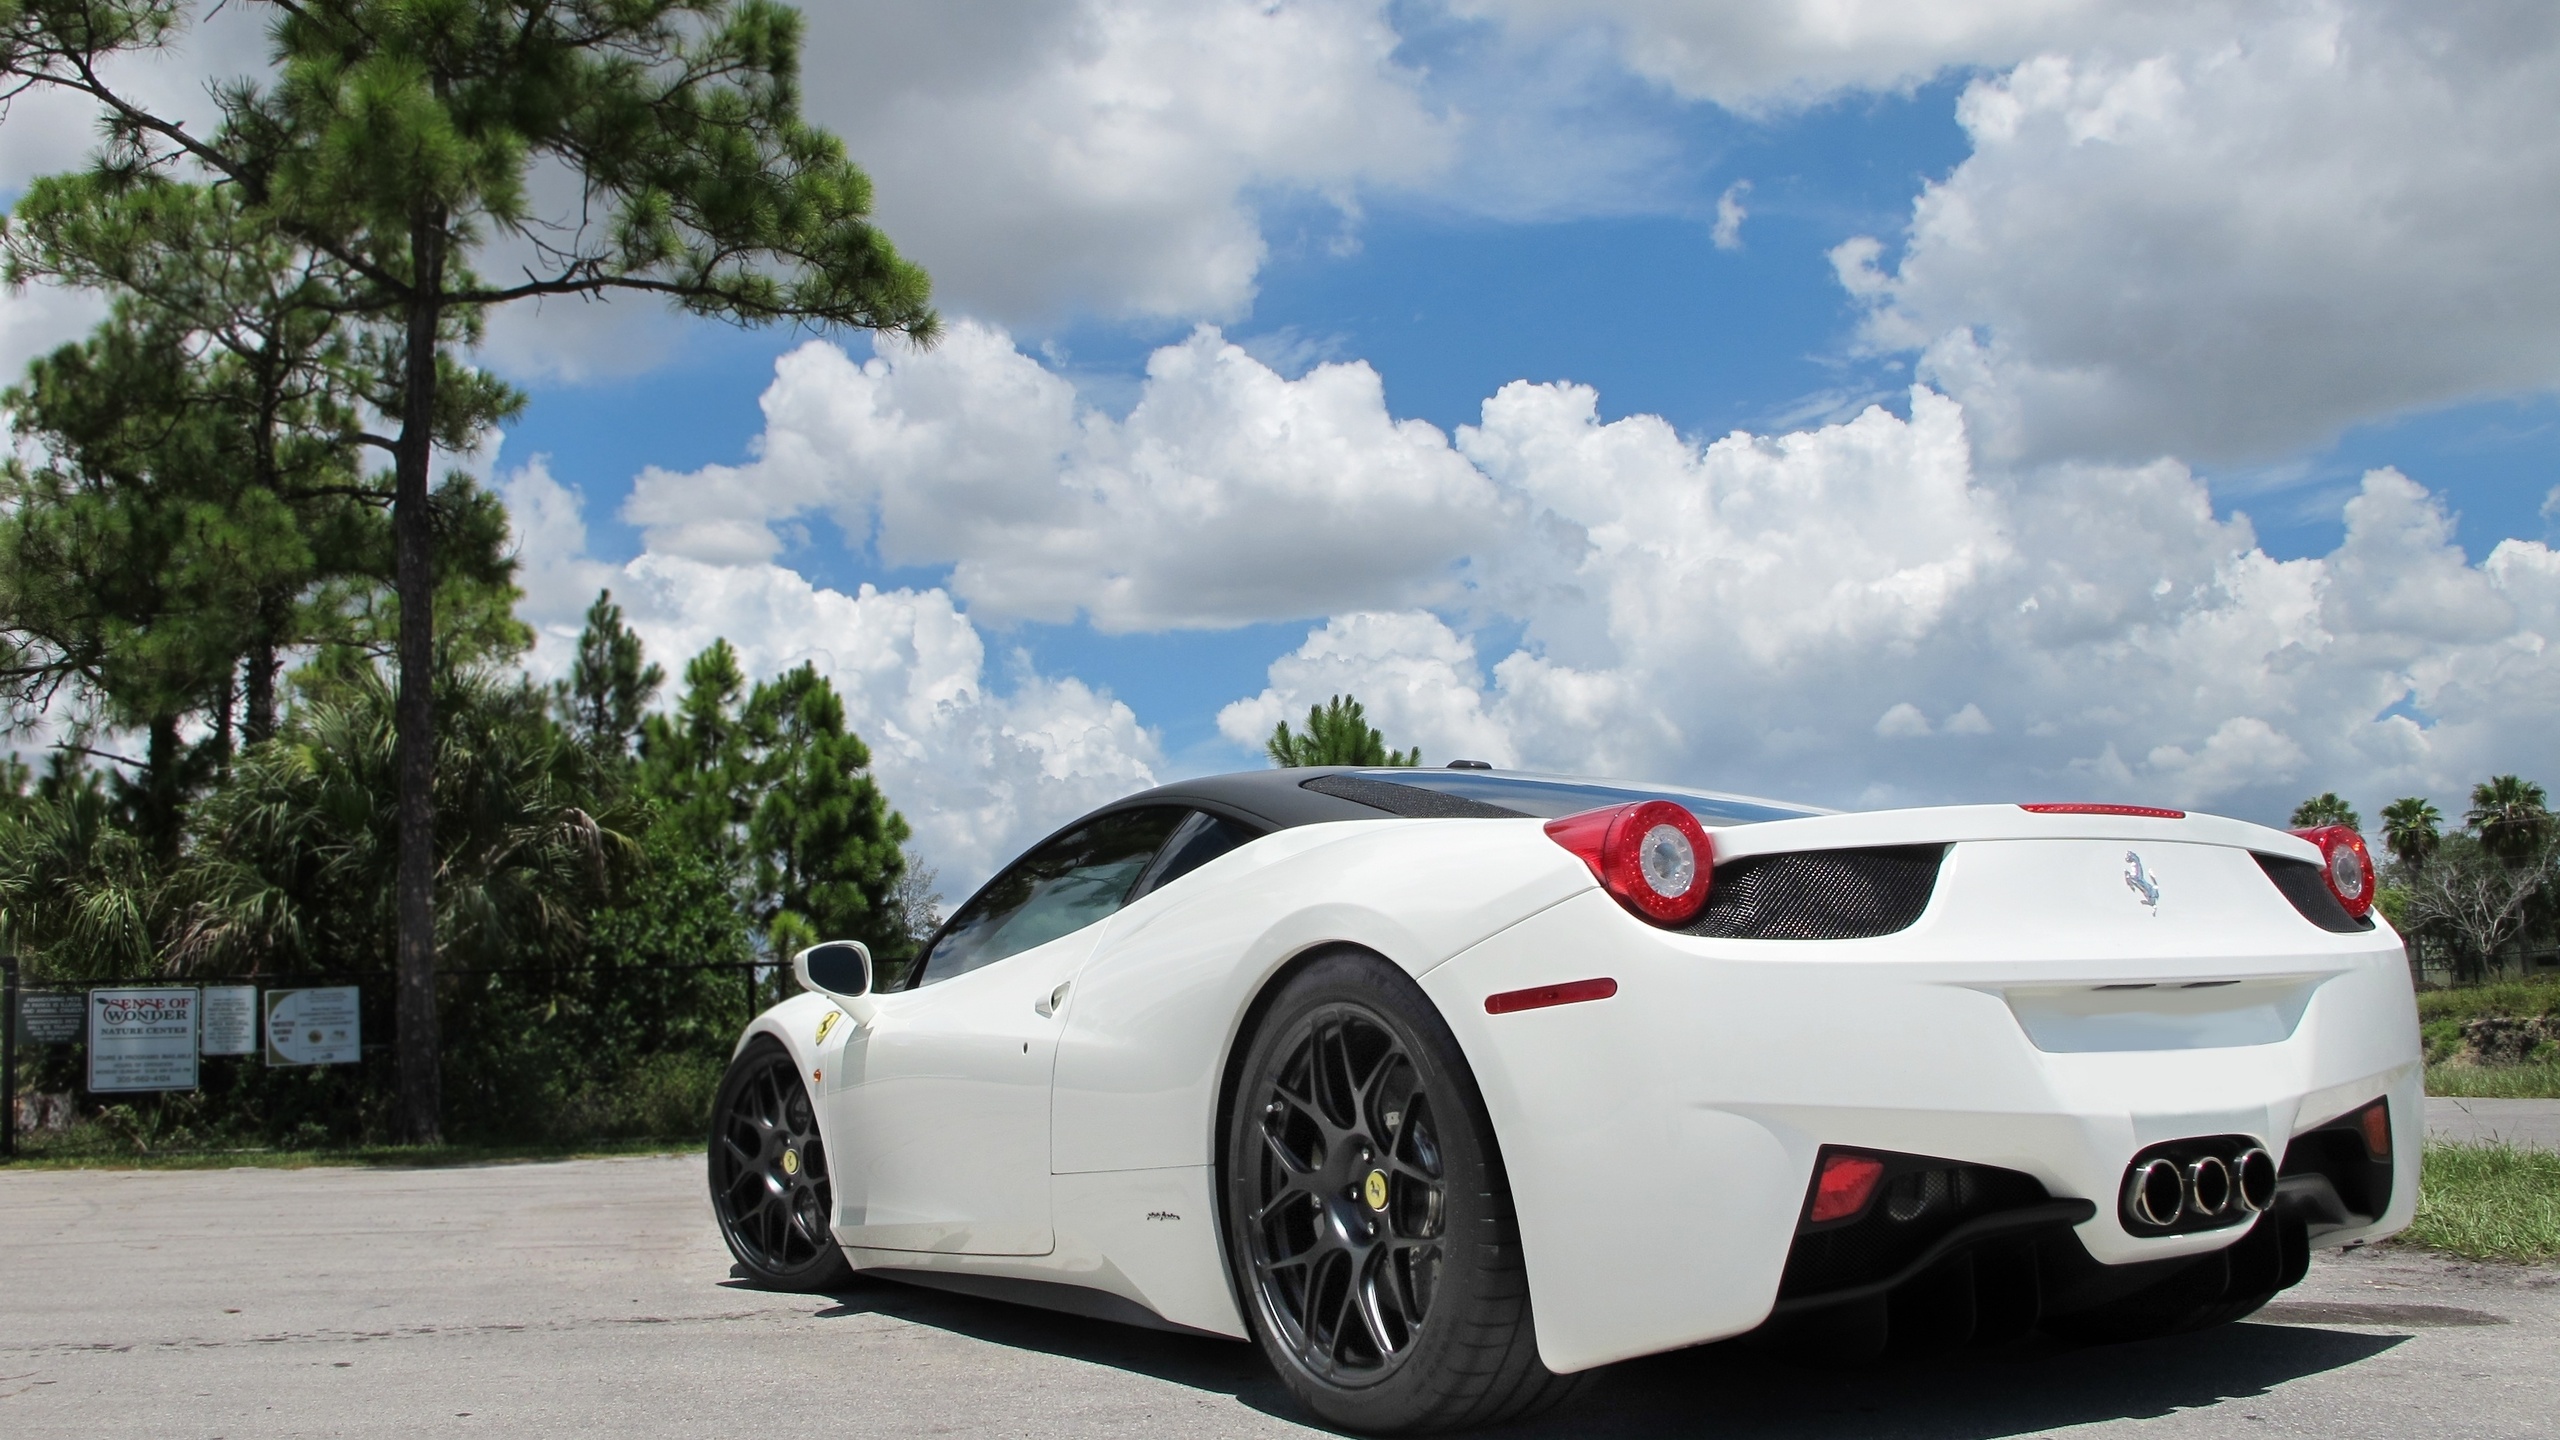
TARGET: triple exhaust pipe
(2164,1190)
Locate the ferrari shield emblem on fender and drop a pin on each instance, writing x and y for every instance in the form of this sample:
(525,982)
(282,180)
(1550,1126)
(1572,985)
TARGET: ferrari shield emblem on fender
(1374,1189)
(826,1023)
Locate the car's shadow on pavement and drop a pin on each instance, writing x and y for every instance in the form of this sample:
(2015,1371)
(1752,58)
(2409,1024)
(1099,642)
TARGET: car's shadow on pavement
(1737,1389)
(1225,1367)
(2024,1390)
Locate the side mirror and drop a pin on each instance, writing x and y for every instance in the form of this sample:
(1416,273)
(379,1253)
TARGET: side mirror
(841,971)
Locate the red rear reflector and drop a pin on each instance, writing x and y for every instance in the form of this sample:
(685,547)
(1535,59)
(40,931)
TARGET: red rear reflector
(1539,997)
(2376,1124)
(1845,1186)
(2149,812)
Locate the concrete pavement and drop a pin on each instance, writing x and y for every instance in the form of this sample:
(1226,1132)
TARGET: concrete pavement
(2532,1123)
(593,1297)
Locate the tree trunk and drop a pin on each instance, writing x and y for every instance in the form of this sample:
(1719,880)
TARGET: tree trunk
(222,723)
(259,699)
(414,715)
(161,782)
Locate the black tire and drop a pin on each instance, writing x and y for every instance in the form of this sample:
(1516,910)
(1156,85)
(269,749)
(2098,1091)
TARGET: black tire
(1368,1221)
(769,1183)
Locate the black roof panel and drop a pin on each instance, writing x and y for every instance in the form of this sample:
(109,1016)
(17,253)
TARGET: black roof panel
(1311,795)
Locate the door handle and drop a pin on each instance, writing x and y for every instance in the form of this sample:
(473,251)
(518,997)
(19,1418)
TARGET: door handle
(1057,997)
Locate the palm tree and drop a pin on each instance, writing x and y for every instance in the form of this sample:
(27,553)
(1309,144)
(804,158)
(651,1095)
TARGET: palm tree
(2326,808)
(80,895)
(2410,828)
(293,864)
(2511,815)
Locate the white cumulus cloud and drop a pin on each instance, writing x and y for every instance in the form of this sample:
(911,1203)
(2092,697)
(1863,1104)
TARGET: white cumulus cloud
(2231,242)
(1859,614)
(1862,612)
(1765,56)
(979,770)
(1107,155)
(1229,494)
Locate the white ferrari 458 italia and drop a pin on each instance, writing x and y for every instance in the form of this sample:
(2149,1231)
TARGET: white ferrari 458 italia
(1447,1086)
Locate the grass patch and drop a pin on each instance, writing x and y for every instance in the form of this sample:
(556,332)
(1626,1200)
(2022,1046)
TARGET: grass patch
(2489,1202)
(2539,1080)
(2505,997)
(76,1150)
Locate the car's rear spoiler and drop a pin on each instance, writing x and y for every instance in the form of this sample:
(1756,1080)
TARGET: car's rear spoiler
(1945,824)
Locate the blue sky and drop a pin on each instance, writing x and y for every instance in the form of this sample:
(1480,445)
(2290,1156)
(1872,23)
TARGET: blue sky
(1447,305)
(2112,276)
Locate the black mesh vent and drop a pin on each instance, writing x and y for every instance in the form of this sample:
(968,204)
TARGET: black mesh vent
(1820,894)
(2301,883)
(1412,802)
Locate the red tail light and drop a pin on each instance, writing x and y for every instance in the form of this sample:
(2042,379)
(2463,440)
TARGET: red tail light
(2346,864)
(1653,855)
(1844,1186)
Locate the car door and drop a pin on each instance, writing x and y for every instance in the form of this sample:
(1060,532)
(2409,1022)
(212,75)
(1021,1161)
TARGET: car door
(941,1105)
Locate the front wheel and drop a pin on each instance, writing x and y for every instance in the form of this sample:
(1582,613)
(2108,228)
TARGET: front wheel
(769,1174)
(1368,1218)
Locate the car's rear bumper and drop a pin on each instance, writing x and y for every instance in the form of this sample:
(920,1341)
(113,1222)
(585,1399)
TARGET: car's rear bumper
(1660,1143)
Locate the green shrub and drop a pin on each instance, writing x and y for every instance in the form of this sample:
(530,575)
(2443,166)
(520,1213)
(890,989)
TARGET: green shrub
(668,1097)
(2507,997)
(2441,1038)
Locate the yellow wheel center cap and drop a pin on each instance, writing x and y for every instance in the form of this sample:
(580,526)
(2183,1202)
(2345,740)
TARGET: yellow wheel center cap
(1374,1190)
(790,1162)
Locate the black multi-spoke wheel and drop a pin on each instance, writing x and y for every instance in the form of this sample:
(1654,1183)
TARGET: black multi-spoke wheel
(1367,1215)
(1346,1231)
(769,1174)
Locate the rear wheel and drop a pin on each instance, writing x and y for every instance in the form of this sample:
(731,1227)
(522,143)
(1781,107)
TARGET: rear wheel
(1368,1219)
(769,1183)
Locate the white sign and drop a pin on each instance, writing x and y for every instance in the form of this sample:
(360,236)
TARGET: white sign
(142,1040)
(230,1020)
(314,1027)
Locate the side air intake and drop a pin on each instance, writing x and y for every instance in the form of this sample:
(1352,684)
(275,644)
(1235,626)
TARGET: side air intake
(1821,894)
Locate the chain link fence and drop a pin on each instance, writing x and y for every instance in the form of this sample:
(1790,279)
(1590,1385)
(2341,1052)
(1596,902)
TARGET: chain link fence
(529,1054)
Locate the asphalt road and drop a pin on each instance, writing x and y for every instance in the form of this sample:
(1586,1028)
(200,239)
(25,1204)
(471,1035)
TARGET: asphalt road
(592,1297)
(2534,1123)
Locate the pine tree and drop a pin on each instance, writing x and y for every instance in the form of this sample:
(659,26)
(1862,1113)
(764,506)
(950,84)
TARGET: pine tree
(1338,733)
(255,377)
(826,844)
(692,762)
(397,139)
(611,684)
(770,783)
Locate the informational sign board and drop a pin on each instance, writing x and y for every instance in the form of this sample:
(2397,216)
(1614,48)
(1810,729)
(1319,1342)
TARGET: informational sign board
(51,1017)
(314,1027)
(230,1020)
(142,1040)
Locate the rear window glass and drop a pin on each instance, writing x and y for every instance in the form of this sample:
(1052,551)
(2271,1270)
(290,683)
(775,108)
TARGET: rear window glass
(1548,797)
